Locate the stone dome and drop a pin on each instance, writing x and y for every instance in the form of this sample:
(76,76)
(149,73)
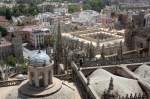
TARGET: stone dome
(100,79)
(21,76)
(39,58)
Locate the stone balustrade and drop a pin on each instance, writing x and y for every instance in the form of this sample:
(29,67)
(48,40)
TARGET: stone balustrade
(130,96)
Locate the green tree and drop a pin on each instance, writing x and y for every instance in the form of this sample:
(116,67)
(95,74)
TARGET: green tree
(8,13)
(3,31)
(87,6)
(23,65)
(11,60)
(73,8)
(96,5)
(18,10)
(22,9)
(33,10)
(2,10)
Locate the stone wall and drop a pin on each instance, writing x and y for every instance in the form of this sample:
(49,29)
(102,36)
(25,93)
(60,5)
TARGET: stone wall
(86,91)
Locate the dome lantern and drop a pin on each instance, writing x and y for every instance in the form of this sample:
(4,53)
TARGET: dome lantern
(40,70)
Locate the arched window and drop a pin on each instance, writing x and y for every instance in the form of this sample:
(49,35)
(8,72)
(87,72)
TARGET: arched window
(31,78)
(1,75)
(41,79)
(49,76)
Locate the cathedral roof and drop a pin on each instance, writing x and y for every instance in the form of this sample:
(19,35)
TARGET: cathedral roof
(100,80)
(40,58)
(143,72)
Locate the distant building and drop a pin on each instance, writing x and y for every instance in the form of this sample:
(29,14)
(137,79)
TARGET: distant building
(25,33)
(61,9)
(23,20)
(147,20)
(3,21)
(8,1)
(87,17)
(49,20)
(13,47)
(7,4)
(45,17)
(38,37)
(131,4)
(122,19)
(54,7)
(137,34)
(104,20)
(5,48)
(28,1)
(45,7)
